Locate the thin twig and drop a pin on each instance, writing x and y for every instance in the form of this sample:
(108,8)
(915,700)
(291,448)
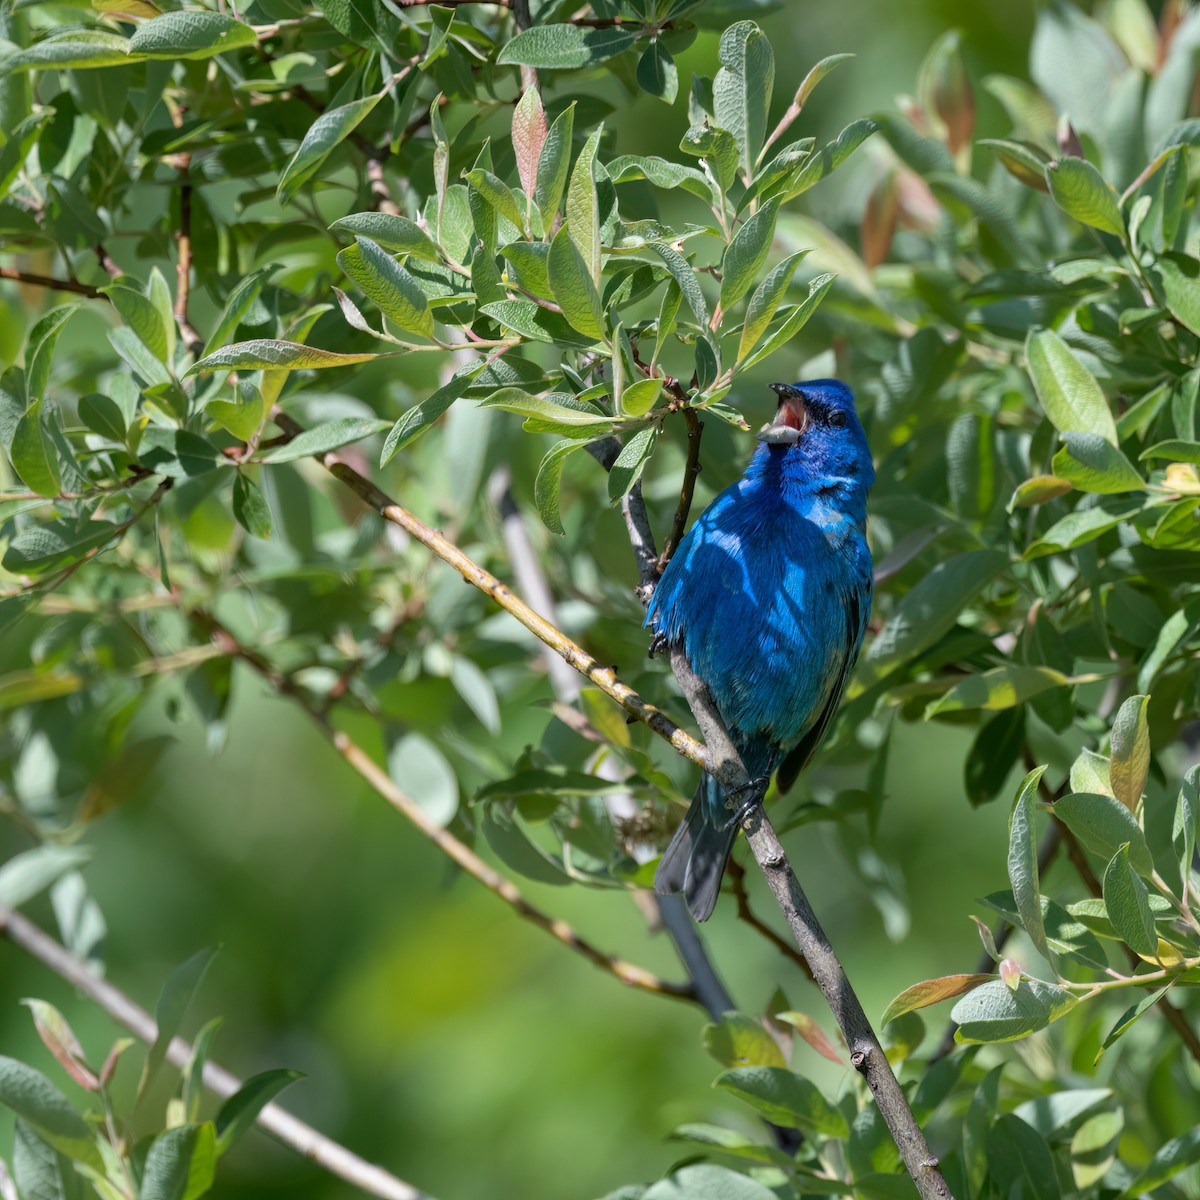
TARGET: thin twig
(695,428)
(106,261)
(183,244)
(273,1119)
(736,874)
(58,285)
(462,854)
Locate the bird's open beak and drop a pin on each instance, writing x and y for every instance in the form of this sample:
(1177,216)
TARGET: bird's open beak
(790,418)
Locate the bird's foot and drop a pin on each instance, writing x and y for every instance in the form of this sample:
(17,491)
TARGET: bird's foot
(658,643)
(754,791)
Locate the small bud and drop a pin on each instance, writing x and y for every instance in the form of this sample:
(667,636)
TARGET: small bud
(1182,477)
(1010,972)
(945,91)
(1068,140)
(879,219)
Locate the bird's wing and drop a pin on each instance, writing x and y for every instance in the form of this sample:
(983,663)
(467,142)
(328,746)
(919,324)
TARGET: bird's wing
(798,756)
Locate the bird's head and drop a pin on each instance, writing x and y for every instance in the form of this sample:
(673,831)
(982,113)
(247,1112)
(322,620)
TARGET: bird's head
(817,429)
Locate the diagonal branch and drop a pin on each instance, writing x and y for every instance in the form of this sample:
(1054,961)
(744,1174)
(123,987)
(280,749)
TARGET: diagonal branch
(273,1119)
(463,855)
(720,758)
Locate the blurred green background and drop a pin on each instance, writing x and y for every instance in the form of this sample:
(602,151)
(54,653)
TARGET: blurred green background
(440,1036)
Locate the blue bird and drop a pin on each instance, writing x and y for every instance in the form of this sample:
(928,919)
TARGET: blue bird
(768,595)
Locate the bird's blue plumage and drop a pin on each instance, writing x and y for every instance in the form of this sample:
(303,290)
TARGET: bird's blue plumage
(769,595)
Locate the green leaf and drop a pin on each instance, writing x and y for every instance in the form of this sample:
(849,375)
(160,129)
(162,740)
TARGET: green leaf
(705,1182)
(79,50)
(994,752)
(159,295)
(1083,193)
(33,453)
(785,1098)
(742,88)
(1103,824)
(1020,1162)
(1023,860)
(657,73)
(243,419)
(1067,390)
(1021,160)
(717,147)
(39,349)
(47,549)
(683,274)
(323,438)
(190,34)
(180,1163)
(632,460)
(1128,904)
(1000,688)
(549,480)
(1185,824)
(1041,489)
(241,1110)
(382,279)
(536,323)
(30,872)
(1078,528)
(640,397)
(103,415)
(825,161)
(563,47)
(1173,449)
(1092,464)
(746,253)
(795,318)
(270,354)
(237,307)
(572,287)
(172,1007)
(554,161)
(498,194)
(1179,1152)
(250,507)
(515,850)
(530,260)
(423,416)
(34,1099)
(996,1013)
(177,453)
(1179,278)
(1130,1017)
(583,208)
(396,233)
(930,991)
(931,608)
(143,317)
(193,1072)
(1130,764)
(325,134)
(740,1041)
(765,302)
(421,769)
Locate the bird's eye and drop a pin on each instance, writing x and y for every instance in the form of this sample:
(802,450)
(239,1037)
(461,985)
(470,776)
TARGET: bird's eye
(837,418)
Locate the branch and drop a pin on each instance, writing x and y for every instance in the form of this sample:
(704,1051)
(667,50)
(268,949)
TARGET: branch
(58,285)
(275,1120)
(710,990)
(719,758)
(605,678)
(183,242)
(737,877)
(690,470)
(462,854)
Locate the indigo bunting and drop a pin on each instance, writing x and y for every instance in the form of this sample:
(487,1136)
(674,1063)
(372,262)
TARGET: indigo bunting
(768,595)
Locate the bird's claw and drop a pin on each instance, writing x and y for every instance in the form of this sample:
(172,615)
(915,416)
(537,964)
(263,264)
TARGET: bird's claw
(754,791)
(658,643)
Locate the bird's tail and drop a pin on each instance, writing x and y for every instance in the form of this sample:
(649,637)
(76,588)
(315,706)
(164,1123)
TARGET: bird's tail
(694,862)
